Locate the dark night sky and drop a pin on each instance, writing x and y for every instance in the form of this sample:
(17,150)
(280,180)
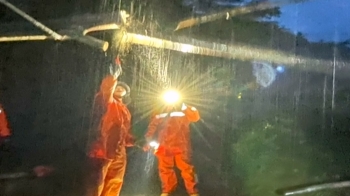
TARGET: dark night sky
(326,20)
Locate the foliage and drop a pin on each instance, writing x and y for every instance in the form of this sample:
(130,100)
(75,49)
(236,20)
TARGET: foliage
(272,154)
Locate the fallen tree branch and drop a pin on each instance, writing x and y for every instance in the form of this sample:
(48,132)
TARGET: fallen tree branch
(104,27)
(265,5)
(25,38)
(88,40)
(233,51)
(32,20)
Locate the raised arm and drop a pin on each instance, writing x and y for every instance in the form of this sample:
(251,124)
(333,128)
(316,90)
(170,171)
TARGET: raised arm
(191,113)
(107,88)
(110,82)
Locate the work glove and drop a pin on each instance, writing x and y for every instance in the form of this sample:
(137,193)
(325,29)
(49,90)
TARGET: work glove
(183,107)
(116,69)
(146,147)
(129,141)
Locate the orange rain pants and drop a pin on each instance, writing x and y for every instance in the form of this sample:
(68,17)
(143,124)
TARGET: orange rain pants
(167,174)
(112,174)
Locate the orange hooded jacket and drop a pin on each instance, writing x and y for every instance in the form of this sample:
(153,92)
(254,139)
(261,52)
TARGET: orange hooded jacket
(173,130)
(112,121)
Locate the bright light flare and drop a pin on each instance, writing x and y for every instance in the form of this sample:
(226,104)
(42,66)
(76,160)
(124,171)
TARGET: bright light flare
(186,48)
(280,69)
(154,144)
(171,96)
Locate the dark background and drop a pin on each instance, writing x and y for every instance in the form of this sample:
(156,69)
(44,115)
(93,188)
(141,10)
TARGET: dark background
(47,90)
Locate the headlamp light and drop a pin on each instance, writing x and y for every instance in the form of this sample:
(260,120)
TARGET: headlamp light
(171,97)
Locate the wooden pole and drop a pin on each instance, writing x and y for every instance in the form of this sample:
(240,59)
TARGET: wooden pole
(233,51)
(85,21)
(32,20)
(88,40)
(193,46)
(93,42)
(103,27)
(25,38)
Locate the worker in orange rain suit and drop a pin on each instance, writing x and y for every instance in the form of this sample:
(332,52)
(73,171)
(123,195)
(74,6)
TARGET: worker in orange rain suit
(5,132)
(173,129)
(114,134)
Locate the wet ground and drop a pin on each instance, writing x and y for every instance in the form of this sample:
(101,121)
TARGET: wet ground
(72,170)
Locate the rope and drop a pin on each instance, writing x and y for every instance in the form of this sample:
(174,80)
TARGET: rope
(149,162)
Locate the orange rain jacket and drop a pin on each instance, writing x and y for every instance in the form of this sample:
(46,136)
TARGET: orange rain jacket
(112,120)
(173,131)
(4,129)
